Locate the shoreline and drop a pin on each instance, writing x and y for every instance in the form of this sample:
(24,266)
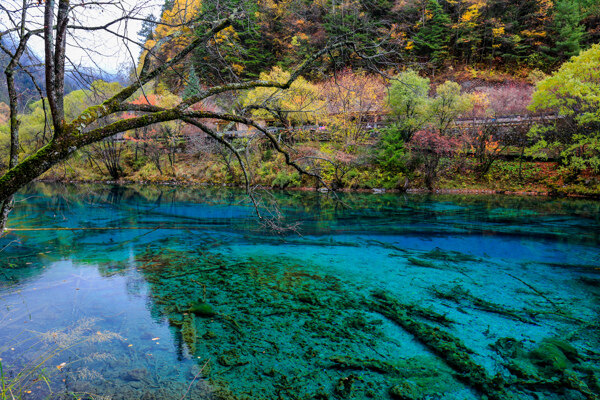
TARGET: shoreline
(534,193)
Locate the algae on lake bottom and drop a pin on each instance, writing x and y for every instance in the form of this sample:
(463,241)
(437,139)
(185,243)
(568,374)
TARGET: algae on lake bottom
(396,297)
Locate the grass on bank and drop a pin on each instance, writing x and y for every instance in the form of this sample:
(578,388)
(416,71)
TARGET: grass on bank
(351,170)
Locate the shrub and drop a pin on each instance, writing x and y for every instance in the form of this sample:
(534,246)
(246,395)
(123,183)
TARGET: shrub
(392,154)
(285,179)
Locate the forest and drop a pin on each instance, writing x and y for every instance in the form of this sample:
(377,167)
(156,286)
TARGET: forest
(463,94)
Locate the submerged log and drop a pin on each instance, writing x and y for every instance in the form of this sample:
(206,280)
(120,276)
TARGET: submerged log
(451,349)
(458,295)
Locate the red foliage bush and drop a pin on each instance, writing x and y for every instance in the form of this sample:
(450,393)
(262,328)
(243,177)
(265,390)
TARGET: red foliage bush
(430,140)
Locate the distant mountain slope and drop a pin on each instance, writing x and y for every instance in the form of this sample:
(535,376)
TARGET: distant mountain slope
(79,79)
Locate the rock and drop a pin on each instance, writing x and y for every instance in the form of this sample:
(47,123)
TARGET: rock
(508,347)
(138,374)
(202,309)
(553,356)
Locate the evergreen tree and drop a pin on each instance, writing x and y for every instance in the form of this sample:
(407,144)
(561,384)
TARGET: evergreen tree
(527,24)
(434,36)
(167,5)
(243,52)
(193,84)
(567,17)
(146,32)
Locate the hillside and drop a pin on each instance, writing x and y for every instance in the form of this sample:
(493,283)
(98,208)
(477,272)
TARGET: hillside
(75,79)
(431,94)
(430,35)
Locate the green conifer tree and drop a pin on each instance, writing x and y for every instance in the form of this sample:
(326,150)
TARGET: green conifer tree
(146,32)
(193,84)
(434,36)
(567,18)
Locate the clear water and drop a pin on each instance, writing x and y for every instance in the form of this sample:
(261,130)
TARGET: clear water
(375,296)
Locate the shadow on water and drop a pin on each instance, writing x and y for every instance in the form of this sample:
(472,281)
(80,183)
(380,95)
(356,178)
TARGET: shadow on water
(161,292)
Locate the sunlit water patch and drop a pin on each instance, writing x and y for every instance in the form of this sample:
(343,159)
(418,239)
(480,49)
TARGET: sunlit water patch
(171,293)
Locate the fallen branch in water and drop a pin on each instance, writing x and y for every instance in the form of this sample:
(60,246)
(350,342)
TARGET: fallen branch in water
(103,228)
(451,349)
(457,294)
(542,295)
(195,377)
(349,363)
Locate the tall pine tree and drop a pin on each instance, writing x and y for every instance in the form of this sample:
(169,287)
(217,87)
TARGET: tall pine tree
(193,84)
(433,37)
(569,32)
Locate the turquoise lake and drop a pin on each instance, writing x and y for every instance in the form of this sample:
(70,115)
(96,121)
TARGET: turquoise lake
(161,292)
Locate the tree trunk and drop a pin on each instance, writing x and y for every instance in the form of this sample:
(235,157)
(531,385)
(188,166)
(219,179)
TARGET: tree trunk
(521,163)
(86,129)
(13,161)
(7,206)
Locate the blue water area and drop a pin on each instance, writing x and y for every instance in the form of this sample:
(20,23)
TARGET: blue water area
(160,292)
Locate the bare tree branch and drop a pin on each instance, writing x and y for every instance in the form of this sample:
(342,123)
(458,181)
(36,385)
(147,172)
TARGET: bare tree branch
(92,126)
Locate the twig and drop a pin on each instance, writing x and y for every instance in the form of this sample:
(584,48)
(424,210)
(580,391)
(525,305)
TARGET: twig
(9,243)
(195,377)
(536,291)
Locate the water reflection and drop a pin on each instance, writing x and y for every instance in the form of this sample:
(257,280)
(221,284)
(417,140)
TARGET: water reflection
(158,291)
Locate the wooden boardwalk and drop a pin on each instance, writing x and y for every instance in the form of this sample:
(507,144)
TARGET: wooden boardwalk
(502,122)
(376,122)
